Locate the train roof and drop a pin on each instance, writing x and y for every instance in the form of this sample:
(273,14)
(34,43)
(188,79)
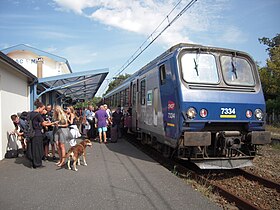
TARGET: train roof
(172,50)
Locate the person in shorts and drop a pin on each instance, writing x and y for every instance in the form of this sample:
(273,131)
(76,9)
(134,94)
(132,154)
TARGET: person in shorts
(102,117)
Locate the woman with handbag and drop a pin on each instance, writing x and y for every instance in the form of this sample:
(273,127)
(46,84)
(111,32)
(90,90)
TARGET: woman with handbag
(61,133)
(73,120)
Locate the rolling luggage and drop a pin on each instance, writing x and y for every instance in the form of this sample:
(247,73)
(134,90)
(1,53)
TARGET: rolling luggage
(114,134)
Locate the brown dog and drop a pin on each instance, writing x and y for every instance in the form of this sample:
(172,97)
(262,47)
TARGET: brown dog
(76,151)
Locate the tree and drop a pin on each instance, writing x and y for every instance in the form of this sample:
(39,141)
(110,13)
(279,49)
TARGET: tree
(94,102)
(117,81)
(270,74)
(274,42)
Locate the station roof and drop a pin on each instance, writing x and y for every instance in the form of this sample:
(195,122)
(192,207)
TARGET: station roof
(79,85)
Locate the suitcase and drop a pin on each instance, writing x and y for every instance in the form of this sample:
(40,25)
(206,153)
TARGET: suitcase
(114,134)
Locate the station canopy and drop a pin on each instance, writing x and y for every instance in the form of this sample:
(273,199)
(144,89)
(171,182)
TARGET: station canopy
(78,85)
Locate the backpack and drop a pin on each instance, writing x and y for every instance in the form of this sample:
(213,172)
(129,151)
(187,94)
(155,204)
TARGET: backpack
(24,115)
(29,130)
(12,147)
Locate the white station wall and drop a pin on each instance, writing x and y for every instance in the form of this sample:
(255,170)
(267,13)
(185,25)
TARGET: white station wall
(14,98)
(28,60)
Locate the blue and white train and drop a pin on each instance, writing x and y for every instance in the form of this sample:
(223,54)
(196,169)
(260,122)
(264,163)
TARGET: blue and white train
(199,103)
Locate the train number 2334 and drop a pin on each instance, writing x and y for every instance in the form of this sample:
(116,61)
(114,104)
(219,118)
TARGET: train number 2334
(227,110)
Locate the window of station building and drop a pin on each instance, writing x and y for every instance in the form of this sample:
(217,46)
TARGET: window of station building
(162,73)
(134,94)
(143,91)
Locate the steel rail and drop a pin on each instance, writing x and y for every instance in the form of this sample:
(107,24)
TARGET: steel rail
(184,172)
(253,177)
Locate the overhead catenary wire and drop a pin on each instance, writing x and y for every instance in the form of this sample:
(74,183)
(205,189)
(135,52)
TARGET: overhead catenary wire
(153,36)
(144,46)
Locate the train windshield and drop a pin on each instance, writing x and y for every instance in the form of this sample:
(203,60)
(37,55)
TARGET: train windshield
(199,68)
(237,71)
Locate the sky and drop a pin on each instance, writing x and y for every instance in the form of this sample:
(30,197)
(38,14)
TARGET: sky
(98,34)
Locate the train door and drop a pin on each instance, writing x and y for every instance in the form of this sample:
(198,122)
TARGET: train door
(169,104)
(155,107)
(134,103)
(141,105)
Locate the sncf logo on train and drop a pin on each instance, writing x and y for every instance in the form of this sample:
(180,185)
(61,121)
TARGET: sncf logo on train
(171,105)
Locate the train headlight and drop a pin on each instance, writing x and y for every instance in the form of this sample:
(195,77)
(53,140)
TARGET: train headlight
(191,113)
(249,113)
(203,113)
(259,114)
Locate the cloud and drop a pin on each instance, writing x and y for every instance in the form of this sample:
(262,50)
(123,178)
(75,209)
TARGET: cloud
(54,35)
(50,49)
(144,16)
(233,35)
(75,6)
(86,54)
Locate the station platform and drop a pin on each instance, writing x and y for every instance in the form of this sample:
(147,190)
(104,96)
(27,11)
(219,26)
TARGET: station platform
(118,176)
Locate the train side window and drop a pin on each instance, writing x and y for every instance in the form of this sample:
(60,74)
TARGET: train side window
(162,73)
(155,101)
(143,91)
(122,98)
(134,94)
(126,92)
(118,99)
(113,101)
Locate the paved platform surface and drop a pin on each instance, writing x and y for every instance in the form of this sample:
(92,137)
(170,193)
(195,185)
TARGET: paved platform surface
(118,176)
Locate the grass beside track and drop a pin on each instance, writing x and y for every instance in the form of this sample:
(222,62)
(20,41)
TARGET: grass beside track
(275,131)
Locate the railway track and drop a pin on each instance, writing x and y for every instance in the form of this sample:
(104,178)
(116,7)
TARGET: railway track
(213,179)
(253,177)
(246,190)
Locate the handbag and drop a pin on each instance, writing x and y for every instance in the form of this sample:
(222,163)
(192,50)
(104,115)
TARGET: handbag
(67,134)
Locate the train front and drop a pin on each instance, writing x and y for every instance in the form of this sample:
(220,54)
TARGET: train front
(222,108)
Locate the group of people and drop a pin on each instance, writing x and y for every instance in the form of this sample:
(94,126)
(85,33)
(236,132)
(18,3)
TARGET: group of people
(56,127)
(98,122)
(51,126)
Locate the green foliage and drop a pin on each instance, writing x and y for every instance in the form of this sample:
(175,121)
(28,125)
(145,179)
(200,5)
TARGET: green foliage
(117,81)
(276,146)
(270,74)
(275,41)
(94,102)
(273,105)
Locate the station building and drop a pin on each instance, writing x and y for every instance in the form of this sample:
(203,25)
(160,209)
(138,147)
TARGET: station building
(27,73)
